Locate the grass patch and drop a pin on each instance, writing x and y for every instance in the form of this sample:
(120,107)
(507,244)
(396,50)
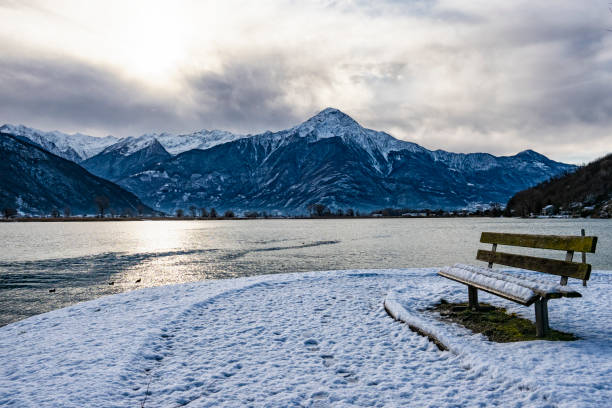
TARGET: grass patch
(496,323)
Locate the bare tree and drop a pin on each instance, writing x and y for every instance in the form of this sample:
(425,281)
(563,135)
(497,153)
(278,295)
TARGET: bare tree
(213,213)
(318,210)
(55,213)
(203,212)
(66,212)
(229,214)
(180,213)
(9,212)
(193,211)
(102,202)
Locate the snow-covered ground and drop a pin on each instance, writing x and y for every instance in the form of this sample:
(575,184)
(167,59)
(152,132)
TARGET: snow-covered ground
(308,339)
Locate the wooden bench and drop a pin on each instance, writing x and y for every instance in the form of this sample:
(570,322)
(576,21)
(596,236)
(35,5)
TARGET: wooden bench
(521,289)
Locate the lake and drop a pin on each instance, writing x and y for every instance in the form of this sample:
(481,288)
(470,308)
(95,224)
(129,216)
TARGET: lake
(79,259)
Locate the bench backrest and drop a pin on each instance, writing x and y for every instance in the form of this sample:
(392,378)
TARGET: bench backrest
(565,269)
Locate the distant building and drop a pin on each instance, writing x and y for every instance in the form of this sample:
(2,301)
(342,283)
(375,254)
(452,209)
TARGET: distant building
(548,210)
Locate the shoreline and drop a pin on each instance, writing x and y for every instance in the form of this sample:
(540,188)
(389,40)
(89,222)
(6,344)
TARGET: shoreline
(109,219)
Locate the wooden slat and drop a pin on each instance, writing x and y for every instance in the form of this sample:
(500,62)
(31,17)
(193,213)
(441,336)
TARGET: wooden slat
(550,266)
(575,243)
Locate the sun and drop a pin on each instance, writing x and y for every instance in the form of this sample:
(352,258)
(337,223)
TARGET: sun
(152,44)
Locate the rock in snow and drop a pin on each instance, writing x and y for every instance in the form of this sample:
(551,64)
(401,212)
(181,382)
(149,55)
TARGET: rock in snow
(308,339)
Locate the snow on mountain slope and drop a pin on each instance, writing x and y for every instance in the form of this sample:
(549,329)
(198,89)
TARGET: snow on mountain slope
(127,157)
(202,139)
(75,147)
(332,122)
(79,147)
(130,145)
(175,144)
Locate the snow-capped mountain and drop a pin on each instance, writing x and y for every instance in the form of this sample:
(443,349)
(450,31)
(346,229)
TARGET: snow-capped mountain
(126,157)
(79,147)
(332,122)
(176,144)
(131,155)
(332,160)
(34,181)
(75,147)
(202,139)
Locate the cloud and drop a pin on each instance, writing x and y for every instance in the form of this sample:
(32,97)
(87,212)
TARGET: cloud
(71,94)
(461,76)
(254,93)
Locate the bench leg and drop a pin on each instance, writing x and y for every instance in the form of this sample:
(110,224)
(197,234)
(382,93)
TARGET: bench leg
(545,314)
(541,315)
(472,297)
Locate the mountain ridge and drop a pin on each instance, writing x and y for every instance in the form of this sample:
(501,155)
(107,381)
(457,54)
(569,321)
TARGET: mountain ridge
(35,181)
(75,147)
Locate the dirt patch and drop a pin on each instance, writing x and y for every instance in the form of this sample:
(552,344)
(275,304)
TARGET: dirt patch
(496,323)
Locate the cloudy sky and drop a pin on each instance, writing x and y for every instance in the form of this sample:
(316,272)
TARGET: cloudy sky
(465,76)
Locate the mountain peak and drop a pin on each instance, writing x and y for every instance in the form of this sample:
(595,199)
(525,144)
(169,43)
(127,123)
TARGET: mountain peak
(329,122)
(329,111)
(131,145)
(531,154)
(333,115)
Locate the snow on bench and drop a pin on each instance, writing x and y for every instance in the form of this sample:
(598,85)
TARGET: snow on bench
(540,287)
(489,283)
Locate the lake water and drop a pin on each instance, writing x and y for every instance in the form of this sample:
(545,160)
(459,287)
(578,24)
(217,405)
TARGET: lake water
(78,259)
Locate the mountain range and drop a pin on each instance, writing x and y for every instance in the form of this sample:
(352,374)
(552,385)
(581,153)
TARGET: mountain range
(76,147)
(329,159)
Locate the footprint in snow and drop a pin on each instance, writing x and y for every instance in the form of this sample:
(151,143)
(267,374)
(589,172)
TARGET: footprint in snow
(311,345)
(320,395)
(348,375)
(328,359)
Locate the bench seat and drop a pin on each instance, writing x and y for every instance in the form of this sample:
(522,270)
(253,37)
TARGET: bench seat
(517,288)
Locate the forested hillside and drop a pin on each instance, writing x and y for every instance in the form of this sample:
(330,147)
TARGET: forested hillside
(587,191)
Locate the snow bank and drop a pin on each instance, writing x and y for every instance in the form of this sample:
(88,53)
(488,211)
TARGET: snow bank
(309,339)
